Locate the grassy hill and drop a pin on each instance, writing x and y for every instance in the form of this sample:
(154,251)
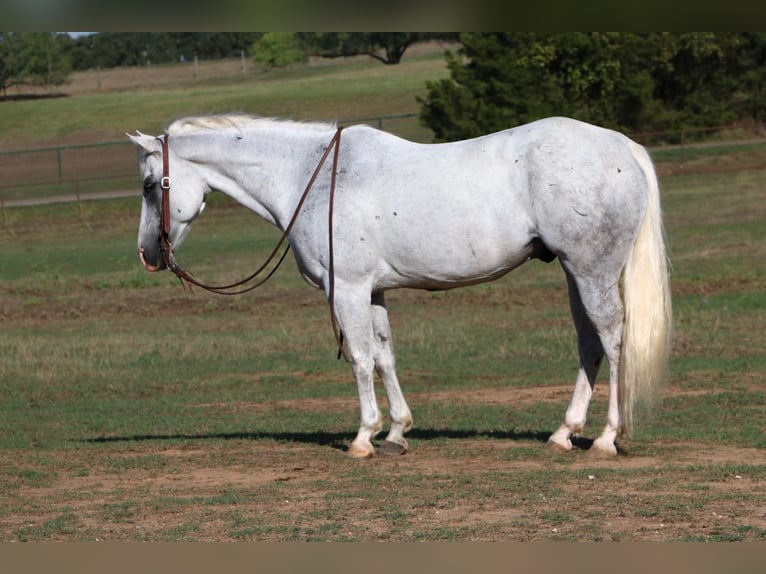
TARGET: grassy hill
(102,105)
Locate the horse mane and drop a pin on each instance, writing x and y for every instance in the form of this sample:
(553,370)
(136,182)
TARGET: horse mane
(239,122)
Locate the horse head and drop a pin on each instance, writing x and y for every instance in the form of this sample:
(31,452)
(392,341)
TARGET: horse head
(184,203)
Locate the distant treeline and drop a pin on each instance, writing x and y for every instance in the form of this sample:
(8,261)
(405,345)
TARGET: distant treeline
(114,49)
(48,58)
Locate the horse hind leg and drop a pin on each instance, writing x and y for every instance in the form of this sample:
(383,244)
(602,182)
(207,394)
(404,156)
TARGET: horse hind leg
(385,366)
(591,354)
(598,313)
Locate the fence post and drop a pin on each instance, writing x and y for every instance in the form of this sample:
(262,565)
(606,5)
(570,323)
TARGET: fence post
(80,213)
(5,215)
(60,168)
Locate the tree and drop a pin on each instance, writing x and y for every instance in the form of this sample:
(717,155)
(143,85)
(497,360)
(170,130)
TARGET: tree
(6,62)
(212,45)
(386,47)
(496,81)
(624,80)
(392,44)
(694,77)
(31,58)
(277,49)
(113,49)
(750,98)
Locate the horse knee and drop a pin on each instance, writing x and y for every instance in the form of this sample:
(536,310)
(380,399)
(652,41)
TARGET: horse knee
(362,364)
(384,362)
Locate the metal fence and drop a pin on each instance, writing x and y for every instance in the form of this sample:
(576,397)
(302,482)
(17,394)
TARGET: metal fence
(62,170)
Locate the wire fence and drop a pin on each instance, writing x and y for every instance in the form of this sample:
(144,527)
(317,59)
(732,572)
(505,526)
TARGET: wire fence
(66,170)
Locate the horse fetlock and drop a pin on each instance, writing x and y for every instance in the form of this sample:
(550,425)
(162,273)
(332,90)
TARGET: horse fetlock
(605,445)
(403,424)
(362,445)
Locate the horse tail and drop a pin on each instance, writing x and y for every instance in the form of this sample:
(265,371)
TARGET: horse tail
(647,329)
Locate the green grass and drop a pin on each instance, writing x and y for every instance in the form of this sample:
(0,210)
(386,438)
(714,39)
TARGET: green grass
(337,91)
(56,283)
(329,92)
(713,150)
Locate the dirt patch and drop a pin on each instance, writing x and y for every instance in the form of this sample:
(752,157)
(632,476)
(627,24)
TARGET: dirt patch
(491,396)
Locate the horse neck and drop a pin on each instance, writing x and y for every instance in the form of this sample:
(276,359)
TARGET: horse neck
(264,170)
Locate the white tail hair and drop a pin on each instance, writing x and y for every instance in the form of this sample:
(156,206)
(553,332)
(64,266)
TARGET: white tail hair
(647,332)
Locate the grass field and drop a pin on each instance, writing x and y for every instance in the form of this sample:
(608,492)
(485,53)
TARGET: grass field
(134,410)
(149,98)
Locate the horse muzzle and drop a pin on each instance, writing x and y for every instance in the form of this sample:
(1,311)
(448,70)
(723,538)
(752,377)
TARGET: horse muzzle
(149,266)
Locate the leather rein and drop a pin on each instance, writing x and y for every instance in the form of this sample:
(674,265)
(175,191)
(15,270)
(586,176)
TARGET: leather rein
(253,281)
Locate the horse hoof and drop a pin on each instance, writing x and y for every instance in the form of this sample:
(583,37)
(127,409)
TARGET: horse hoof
(356,451)
(390,448)
(557,447)
(602,451)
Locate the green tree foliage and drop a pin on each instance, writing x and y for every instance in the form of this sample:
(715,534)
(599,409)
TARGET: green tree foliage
(387,47)
(276,49)
(628,81)
(114,49)
(750,97)
(31,58)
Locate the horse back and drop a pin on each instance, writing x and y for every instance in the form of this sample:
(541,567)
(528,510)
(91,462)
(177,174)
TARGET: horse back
(445,215)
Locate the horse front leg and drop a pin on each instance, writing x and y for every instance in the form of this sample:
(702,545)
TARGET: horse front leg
(354,316)
(385,366)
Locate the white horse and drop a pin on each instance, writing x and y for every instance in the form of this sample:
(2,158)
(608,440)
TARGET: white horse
(439,216)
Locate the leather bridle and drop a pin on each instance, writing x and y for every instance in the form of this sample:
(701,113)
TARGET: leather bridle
(253,281)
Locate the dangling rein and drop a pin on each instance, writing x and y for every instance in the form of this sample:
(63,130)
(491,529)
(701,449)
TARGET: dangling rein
(246,284)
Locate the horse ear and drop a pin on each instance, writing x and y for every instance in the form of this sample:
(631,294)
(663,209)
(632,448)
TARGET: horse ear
(149,143)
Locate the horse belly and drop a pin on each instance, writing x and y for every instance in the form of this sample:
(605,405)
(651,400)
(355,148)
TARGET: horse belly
(447,251)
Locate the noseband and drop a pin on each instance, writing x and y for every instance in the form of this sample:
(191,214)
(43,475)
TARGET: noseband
(253,281)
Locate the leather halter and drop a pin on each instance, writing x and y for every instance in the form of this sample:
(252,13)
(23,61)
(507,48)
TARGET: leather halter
(166,249)
(245,285)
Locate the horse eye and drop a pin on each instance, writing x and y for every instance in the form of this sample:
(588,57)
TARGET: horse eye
(148,186)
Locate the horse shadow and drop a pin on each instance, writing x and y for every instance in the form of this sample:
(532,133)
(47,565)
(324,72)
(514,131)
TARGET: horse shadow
(340,440)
